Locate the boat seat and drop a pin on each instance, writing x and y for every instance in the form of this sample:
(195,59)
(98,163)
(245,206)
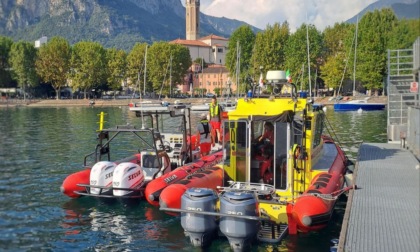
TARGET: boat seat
(320,179)
(325,175)
(319,184)
(198,175)
(314,191)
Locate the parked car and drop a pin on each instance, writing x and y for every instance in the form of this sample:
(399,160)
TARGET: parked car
(209,95)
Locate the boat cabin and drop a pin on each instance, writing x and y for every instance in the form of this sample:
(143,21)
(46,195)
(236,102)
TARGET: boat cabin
(280,155)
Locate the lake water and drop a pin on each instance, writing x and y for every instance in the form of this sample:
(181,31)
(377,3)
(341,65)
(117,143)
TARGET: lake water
(39,147)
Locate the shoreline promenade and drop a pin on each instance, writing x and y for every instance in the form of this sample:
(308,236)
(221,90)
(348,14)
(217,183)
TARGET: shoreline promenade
(124,102)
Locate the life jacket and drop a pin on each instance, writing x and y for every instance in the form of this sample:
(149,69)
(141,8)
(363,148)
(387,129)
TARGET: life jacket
(206,128)
(214,110)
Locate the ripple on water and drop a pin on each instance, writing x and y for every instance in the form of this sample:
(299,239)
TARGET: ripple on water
(40,147)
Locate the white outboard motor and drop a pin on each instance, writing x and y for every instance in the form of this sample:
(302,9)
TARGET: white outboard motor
(239,231)
(101,176)
(200,228)
(127,176)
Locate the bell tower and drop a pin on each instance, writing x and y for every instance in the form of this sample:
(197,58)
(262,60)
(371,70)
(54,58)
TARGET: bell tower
(192,19)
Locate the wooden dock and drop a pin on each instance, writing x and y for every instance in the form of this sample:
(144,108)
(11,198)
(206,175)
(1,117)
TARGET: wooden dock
(384,214)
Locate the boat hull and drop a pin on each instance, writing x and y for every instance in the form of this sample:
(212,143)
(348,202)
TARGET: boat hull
(155,187)
(70,183)
(313,209)
(355,106)
(209,178)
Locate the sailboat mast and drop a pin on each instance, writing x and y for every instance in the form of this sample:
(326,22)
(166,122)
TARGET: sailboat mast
(354,65)
(145,72)
(237,67)
(309,62)
(170,78)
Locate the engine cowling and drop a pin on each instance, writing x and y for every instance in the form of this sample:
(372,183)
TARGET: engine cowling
(127,176)
(101,176)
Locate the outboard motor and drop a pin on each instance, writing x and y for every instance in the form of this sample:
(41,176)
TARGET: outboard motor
(200,228)
(128,176)
(101,175)
(239,231)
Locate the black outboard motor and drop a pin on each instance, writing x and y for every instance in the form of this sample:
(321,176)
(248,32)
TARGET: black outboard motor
(239,231)
(200,228)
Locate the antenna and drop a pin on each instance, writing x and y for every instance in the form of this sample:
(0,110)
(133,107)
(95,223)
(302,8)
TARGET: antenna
(145,72)
(309,61)
(355,50)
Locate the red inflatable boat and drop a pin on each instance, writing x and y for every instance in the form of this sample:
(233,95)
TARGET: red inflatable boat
(208,178)
(70,184)
(313,209)
(154,188)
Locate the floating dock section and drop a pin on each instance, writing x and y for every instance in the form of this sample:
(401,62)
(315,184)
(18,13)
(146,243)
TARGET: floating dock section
(384,213)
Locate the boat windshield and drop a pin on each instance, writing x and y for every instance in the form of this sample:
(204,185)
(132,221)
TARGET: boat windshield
(256,151)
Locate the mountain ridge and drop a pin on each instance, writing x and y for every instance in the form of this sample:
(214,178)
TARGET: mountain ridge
(122,23)
(407,9)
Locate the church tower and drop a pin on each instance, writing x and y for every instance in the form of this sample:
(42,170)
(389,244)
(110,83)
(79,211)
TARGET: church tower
(192,19)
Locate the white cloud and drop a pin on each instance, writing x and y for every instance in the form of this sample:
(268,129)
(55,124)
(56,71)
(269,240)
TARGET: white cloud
(259,13)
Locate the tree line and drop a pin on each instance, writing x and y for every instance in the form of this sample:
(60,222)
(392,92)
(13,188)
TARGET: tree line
(332,53)
(88,65)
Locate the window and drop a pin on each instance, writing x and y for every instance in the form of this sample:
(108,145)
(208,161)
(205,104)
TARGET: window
(219,50)
(213,50)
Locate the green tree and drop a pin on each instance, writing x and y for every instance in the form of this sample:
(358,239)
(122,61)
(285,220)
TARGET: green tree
(135,65)
(269,49)
(22,61)
(217,91)
(243,37)
(53,63)
(337,54)
(88,63)
(5,74)
(181,61)
(199,61)
(297,53)
(404,34)
(374,31)
(163,69)
(117,67)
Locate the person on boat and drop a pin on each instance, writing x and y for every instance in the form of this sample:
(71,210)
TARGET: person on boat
(265,147)
(204,135)
(268,134)
(215,111)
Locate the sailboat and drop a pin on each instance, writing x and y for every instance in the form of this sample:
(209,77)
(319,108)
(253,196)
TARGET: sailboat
(359,104)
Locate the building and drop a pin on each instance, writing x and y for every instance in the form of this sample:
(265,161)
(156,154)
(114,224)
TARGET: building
(214,79)
(41,41)
(212,49)
(192,19)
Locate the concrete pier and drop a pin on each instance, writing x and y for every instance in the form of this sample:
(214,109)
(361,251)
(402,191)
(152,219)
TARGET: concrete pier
(384,214)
